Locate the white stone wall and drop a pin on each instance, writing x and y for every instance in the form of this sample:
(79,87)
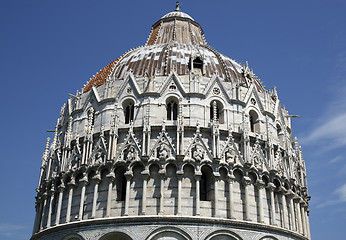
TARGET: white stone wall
(98,143)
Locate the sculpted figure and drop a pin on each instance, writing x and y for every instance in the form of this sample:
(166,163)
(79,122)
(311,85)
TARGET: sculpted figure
(258,162)
(131,154)
(230,155)
(163,153)
(98,157)
(198,154)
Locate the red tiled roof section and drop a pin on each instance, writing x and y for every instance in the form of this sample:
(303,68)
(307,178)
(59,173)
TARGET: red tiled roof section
(101,76)
(153,35)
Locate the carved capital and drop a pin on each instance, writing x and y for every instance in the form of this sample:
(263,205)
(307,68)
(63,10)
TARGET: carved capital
(111,176)
(162,172)
(231,178)
(260,184)
(84,180)
(97,178)
(128,175)
(290,193)
(61,188)
(145,174)
(71,183)
(180,174)
(271,186)
(246,181)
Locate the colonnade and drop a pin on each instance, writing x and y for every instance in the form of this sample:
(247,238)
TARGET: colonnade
(292,212)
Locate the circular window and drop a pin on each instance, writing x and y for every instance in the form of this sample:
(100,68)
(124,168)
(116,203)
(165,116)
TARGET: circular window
(129,90)
(172,88)
(216,91)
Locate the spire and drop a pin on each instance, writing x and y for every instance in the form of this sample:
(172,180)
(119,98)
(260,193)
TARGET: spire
(177,7)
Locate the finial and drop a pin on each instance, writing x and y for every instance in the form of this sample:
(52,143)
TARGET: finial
(177,7)
(163,126)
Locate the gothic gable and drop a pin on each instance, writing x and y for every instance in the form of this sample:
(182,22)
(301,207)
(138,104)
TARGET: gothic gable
(197,149)
(163,148)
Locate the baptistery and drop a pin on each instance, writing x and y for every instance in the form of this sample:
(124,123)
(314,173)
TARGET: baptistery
(173,140)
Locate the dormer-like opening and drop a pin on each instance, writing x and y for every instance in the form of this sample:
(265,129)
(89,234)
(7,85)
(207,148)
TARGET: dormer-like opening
(172,108)
(205,184)
(128,106)
(216,111)
(279,133)
(196,65)
(254,122)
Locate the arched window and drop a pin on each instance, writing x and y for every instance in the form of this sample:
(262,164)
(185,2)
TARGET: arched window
(278,130)
(216,111)
(205,184)
(129,111)
(115,235)
(120,184)
(254,121)
(172,110)
(196,65)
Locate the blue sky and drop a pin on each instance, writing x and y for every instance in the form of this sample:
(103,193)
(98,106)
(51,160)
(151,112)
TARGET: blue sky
(49,49)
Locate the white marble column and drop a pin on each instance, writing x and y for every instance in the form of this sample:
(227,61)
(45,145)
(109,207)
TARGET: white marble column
(260,186)
(44,210)
(145,175)
(179,177)
(271,187)
(84,182)
(308,223)
(162,174)
(284,208)
(84,152)
(58,212)
(198,193)
(110,146)
(110,176)
(69,201)
(128,176)
(114,146)
(302,211)
(49,216)
(97,179)
(299,216)
(246,183)
(37,216)
(290,195)
(216,194)
(231,180)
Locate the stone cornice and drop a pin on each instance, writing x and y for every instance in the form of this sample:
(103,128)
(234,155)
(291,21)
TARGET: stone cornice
(182,220)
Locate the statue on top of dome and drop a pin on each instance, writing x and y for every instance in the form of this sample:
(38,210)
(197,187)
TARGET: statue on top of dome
(177,7)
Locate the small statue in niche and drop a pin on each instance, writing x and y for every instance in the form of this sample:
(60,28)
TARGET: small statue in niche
(198,154)
(257,162)
(277,160)
(56,162)
(99,157)
(230,156)
(280,168)
(74,161)
(131,154)
(163,153)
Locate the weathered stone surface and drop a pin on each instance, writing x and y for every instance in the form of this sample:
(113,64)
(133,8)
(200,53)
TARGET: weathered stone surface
(187,144)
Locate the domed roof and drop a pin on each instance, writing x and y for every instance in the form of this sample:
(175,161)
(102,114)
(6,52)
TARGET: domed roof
(175,41)
(177,14)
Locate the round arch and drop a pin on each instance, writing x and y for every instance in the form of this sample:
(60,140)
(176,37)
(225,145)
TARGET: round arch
(169,233)
(268,238)
(223,235)
(115,235)
(72,236)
